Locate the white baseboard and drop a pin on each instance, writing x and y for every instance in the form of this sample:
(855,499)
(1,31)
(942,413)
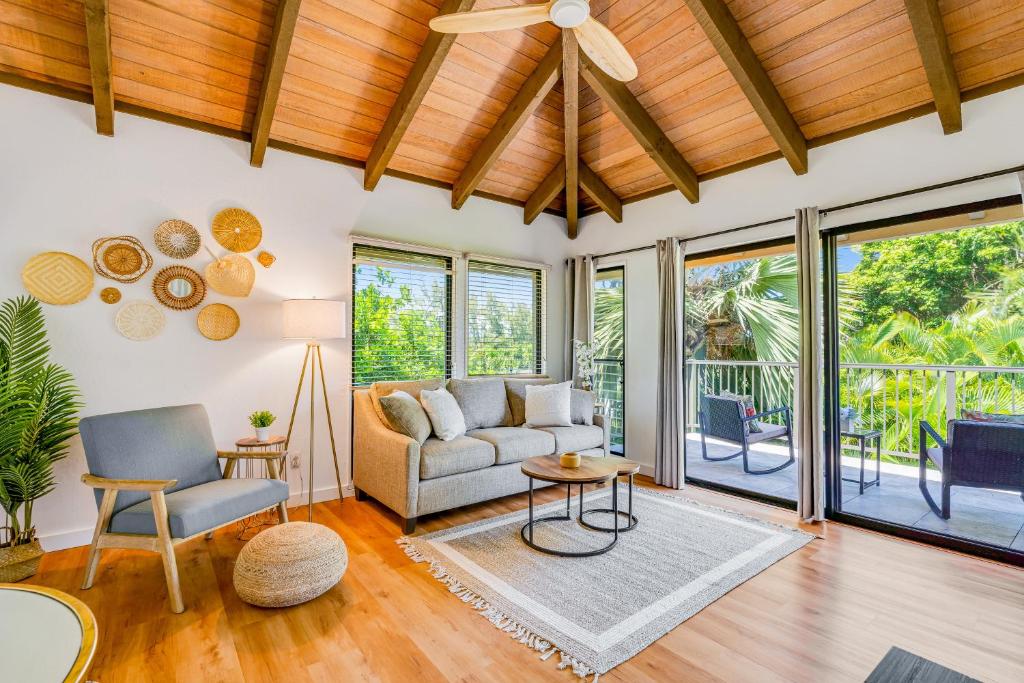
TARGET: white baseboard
(73,538)
(647,470)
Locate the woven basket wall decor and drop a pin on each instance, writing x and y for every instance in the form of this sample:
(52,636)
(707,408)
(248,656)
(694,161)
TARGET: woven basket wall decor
(139,320)
(177,239)
(121,258)
(237,230)
(55,277)
(110,295)
(266,259)
(233,275)
(218,322)
(179,287)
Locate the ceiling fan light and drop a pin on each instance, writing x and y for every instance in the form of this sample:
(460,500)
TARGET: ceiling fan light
(569,13)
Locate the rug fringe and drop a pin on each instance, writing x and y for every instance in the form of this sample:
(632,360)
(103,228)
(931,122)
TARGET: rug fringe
(497,618)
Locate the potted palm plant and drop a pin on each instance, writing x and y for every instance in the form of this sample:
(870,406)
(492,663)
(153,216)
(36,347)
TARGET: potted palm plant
(39,405)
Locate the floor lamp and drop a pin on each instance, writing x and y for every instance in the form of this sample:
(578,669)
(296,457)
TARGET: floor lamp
(314,320)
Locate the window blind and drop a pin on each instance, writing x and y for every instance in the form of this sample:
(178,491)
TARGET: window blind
(401,315)
(504,319)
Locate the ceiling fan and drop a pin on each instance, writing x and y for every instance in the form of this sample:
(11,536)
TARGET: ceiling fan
(596,40)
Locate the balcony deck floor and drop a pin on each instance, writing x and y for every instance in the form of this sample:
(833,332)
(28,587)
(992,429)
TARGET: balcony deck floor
(982,515)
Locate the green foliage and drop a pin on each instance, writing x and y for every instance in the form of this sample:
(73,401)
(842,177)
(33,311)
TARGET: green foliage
(38,414)
(261,418)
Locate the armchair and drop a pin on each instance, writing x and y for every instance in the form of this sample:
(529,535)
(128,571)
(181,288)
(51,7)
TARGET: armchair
(158,483)
(724,418)
(979,454)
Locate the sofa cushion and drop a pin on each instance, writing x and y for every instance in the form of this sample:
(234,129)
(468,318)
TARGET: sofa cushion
(514,444)
(581,407)
(445,415)
(483,401)
(549,405)
(765,431)
(413,388)
(200,508)
(461,454)
(576,437)
(405,415)
(515,390)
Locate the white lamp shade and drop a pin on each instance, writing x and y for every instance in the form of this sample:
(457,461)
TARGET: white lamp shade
(313,319)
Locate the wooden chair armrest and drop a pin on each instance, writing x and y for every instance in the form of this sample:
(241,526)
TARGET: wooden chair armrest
(253,455)
(127,484)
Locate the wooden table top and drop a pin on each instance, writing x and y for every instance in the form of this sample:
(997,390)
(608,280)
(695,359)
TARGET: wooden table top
(252,442)
(625,466)
(548,468)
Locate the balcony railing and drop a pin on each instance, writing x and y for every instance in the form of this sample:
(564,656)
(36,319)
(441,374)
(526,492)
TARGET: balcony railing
(609,385)
(889,398)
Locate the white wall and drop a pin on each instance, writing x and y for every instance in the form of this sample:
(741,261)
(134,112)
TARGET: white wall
(63,186)
(901,157)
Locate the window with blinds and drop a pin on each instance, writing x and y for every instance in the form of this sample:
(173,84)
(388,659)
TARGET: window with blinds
(504,319)
(401,315)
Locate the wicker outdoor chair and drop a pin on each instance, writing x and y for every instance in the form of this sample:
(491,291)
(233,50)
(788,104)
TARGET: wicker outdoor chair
(988,455)
(724,418)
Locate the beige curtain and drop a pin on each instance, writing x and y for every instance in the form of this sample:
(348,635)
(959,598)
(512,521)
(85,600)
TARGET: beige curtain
(579,309)
(670,434)
(1020,179)
(811,474)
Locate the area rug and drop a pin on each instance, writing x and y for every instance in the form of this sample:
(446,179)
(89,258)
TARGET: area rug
(597,612)
(900,666)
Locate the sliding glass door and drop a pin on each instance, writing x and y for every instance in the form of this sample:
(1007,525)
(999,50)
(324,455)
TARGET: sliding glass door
(926,327)
(741,363)
(610,351)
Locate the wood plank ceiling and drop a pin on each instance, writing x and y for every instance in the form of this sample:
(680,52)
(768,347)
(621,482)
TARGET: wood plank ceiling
(726,83)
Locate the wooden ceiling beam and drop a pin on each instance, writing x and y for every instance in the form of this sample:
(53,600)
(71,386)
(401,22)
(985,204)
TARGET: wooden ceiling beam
(545,193)
(533,92)
(600,193)
(432,55)
(571,128)
(97,32)
(732,45)
(273,74)
(930,33)
(636,119)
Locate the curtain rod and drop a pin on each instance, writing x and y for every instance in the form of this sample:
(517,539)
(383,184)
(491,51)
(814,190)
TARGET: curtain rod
(841,207)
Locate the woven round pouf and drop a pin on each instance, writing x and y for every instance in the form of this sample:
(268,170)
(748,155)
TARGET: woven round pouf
(288,564)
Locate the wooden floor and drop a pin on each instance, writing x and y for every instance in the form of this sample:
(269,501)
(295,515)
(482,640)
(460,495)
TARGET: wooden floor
(828,612)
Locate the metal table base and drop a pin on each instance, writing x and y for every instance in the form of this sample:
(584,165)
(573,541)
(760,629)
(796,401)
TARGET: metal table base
(631,520)
(527,531)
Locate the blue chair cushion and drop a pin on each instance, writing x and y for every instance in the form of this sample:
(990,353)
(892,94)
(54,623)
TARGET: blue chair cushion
(204,507)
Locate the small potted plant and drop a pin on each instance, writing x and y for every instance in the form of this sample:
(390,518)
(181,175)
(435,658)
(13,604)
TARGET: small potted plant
(261,421)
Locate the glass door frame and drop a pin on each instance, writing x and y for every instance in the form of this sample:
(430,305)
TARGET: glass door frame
(831,342)
(622,377)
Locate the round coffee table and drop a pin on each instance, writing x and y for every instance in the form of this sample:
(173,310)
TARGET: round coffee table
(591,471)
(626,468)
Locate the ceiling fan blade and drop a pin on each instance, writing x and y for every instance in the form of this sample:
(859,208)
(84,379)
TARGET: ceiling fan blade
(492,19)
(605,50)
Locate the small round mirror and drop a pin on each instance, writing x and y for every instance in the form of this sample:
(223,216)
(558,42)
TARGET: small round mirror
(180,288)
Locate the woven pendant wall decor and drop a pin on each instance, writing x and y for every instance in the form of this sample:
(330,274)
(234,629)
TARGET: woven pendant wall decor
(121,258)
(266,259)
(233,275)
(218,322)
(56,277)
(110,295)
(237,230)
(139,320)
(179,287)
(177,239)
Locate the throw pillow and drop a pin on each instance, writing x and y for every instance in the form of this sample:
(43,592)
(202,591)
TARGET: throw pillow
(581,407)
(981,416)
(549,405)
(483,402)
(444,413)
(515,389)
(405,415)
(747,402)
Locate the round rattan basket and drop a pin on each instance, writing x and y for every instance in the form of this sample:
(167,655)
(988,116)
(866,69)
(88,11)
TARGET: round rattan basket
(218,322)
(121,258)
(237,230)
(165,281)
(177,239)
(20,561)
(289,564)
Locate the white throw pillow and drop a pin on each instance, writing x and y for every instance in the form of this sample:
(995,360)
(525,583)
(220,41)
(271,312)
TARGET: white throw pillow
(549,405)
(444,413)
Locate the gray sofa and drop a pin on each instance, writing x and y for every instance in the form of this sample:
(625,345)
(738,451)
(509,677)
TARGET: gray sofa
(416,479)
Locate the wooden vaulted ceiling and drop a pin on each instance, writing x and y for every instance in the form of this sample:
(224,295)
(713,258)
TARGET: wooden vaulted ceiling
(723,84)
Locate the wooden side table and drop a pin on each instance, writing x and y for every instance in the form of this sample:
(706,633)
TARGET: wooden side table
(254,469)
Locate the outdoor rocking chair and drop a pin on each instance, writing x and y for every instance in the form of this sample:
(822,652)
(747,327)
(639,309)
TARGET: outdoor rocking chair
(725,418)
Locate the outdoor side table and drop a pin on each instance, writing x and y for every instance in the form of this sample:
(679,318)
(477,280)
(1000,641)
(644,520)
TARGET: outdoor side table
(864,438)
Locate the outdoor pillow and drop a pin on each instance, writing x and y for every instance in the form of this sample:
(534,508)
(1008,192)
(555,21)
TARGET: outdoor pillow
(444,413)
(405,415)
(980,416)
(748,409)
(549,405)
(581,407)
(483,402)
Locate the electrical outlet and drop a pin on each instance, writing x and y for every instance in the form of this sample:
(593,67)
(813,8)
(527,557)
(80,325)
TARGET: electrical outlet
(295,461)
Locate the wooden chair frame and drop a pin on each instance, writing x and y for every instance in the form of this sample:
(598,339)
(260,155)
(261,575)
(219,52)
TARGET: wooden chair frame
(162,542)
